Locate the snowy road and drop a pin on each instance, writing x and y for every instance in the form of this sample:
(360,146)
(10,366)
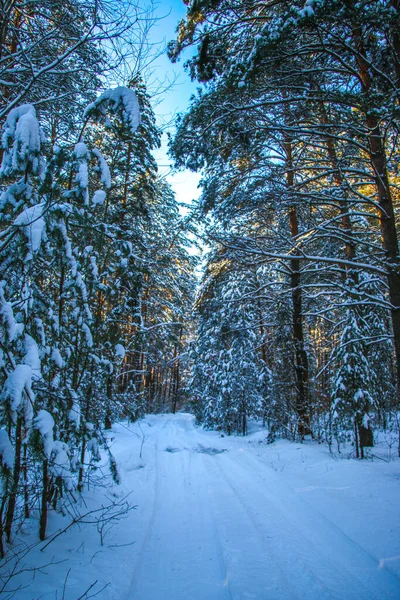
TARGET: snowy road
(228,518)
(224,524)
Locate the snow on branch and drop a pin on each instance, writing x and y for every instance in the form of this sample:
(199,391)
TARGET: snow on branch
(120,100)
(312,258)
(21,141)
(44,423)
(6,450)
(18,382)
(35,227)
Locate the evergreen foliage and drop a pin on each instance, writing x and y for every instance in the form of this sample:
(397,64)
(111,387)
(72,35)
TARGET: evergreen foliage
(295,132)
(227,374)
(94,262)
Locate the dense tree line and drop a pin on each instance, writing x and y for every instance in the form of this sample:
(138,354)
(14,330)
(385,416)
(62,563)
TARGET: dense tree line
(96,277)
(295,131)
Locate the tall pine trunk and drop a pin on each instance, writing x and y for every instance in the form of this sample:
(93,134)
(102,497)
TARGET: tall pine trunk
(377,157)
(301,361)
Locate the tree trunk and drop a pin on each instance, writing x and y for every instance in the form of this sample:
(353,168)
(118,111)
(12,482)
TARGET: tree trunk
(396,42)
(15,480)
(386,215)
(81,467)
(45,494)
(301,361)
(176,372)
(26,483)
(2,507)
(108,417)
(356,438)
(350,250)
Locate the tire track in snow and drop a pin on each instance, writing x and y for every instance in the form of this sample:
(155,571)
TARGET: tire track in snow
(246,530)
(178,521)
(195,472)
(253,460)
(314,542)
(268,579)
(306,578)
(148,531)
(196,462)
(275,577)
(310,538)
(212,523)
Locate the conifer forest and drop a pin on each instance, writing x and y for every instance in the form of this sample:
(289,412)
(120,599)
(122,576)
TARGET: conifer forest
(200,396)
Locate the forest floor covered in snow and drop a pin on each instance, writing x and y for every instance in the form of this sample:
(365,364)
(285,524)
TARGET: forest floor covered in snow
(220,518)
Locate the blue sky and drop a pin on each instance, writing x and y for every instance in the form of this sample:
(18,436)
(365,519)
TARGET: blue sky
(175,98)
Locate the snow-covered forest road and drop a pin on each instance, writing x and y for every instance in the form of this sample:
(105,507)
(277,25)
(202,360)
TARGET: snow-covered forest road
(231,518)
(226,522)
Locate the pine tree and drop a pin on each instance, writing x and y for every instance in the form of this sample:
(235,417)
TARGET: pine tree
(352,401)
(47,341)
(226,382)
(267,61)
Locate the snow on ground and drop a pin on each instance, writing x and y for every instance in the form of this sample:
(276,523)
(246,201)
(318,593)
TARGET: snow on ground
(229,518)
